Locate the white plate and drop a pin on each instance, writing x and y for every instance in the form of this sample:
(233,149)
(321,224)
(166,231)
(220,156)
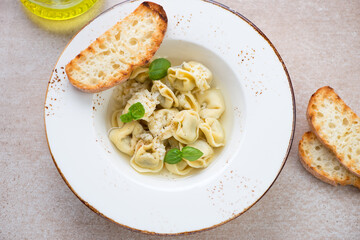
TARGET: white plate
(259,123)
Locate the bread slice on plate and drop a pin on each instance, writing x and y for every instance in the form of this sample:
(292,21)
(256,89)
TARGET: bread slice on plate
(110,59)
(322,163)
(336,126)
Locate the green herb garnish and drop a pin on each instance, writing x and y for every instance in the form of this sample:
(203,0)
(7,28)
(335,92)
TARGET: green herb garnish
(136,112)
(125,118)
(174,155)
(158,68)
(191,153)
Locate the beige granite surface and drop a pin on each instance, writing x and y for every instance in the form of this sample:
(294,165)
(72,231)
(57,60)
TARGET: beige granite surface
(320,44)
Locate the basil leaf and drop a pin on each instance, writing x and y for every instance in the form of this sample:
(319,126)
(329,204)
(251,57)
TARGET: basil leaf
(158,68)
(137,111)
(173,156)
(191,154)
(127,117)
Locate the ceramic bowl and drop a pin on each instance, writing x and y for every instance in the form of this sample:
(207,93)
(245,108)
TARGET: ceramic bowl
(259,125)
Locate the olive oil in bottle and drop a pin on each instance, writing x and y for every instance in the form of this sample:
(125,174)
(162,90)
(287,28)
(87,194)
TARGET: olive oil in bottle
(58,9)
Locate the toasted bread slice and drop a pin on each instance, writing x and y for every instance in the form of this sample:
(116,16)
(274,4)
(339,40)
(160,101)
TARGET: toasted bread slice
(110,59)
(336,126)
(322,163)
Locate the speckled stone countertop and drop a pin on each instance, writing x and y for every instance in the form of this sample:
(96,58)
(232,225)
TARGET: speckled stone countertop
(319,42)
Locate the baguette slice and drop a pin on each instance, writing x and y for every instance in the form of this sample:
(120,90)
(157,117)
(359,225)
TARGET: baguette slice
(336,126)
(110,59)
(322,163)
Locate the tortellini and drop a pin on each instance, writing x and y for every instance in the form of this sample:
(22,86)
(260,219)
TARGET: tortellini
(115,119)
(212,103)
(181,168)
(140,74)
(148,157)
(125,138)
(167,97)
(213,132)
(207,156)
(187,101)
(186,126)
(160,124)
(190,75)
(181,109)
(181,79)
(202,75)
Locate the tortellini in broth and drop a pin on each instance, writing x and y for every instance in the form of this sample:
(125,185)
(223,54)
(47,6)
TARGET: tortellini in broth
(148,157)
(207,156)
(188,101)
(167,98)
(182,109)
(125,138)
(212,103)
(186,129)
(213,132)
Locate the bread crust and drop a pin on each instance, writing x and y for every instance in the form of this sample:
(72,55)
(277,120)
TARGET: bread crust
(122,75)
(319,95)
(306,161)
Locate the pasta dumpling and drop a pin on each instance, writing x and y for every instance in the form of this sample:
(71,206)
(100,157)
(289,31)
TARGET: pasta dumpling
(212,103)
(202,75)
(167,97)
(186,126)
(140,74)
(213,132)
(187,101)
(125,138)
(161,123)
(148,157)
(181,168)
(115,119)
(181,79)
(207,156)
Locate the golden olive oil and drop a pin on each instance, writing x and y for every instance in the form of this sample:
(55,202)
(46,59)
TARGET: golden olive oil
(58,9)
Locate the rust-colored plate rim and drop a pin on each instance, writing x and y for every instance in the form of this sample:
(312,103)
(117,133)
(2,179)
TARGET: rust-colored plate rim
(282,165)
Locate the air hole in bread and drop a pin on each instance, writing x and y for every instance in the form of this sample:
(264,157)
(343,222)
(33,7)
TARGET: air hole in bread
(337,168)
(350,149)
(93,81)
(133,41)
(320,114)
(106,53)
(102,46)
(332,125)
(115,66)
(318,166)
(134,23)
(313,106)
(149,34)
(345,122)
(358,152)
(100,74)
(349,156)
(317,148)
(117,36)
